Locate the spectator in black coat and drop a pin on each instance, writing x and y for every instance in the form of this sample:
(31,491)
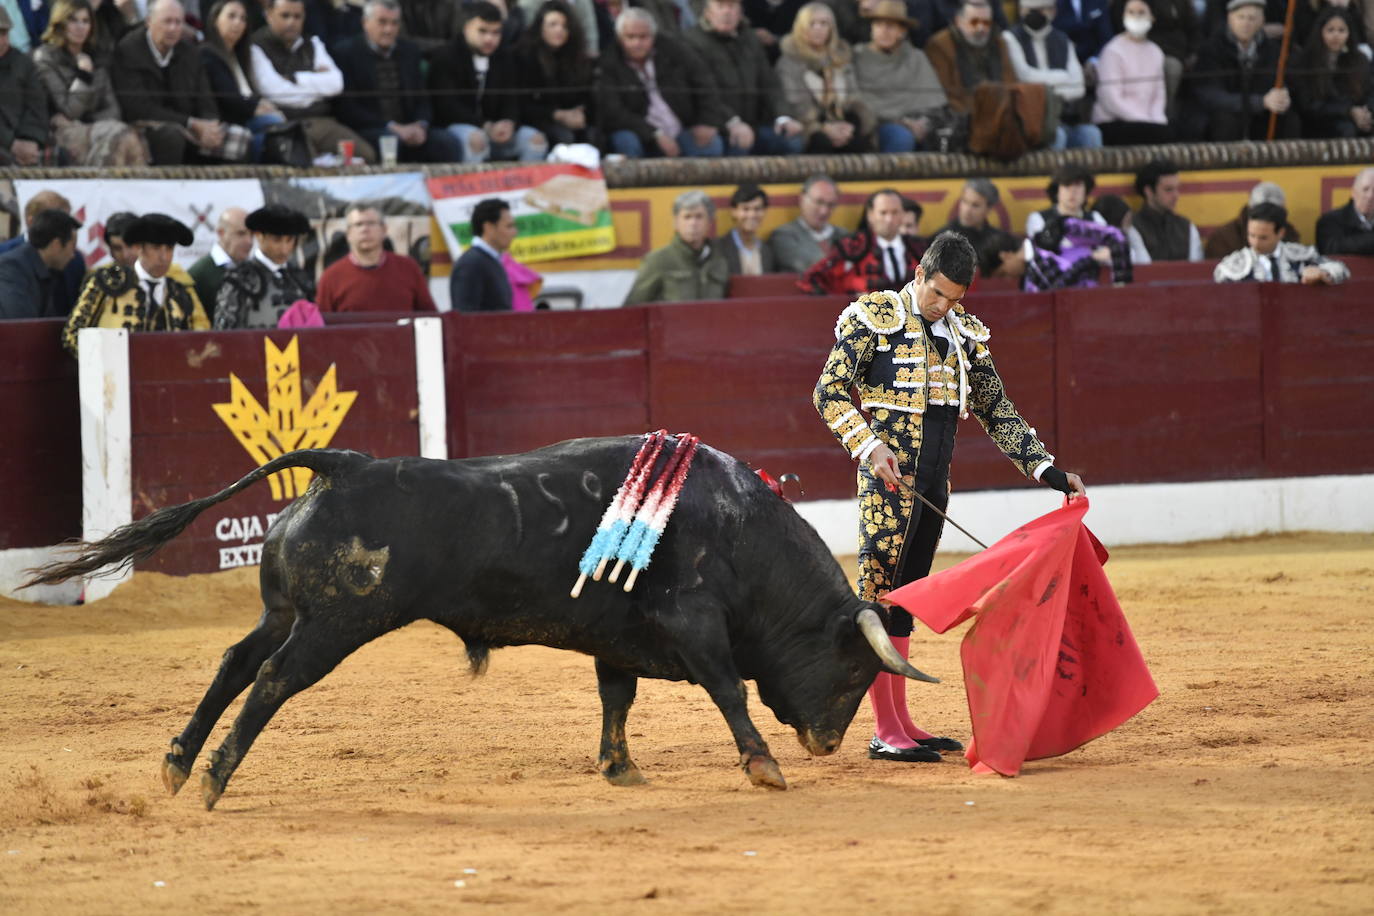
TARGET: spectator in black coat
(1332,90)
(757,118)
(1238,95)
(66,285)
(29,274)
(558,77)
(169,91)
(23,106)
(479,282)
(229,68)
(476,93)
(384,93)
(639,70)
(1350,229)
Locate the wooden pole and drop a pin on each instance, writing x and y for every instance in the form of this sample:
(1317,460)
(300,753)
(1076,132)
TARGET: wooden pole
(1283,64)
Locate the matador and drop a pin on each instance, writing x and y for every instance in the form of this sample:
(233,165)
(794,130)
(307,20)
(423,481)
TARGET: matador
(919,362)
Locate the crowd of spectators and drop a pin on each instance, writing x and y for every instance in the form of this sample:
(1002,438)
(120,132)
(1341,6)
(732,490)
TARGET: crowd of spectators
(1077,240)
(123,82)
(252,277)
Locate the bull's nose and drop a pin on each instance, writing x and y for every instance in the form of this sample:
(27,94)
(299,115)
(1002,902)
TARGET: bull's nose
(818,744)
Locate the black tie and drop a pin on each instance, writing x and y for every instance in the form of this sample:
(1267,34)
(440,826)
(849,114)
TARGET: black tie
(152,293)
(1274,268)
(894,272)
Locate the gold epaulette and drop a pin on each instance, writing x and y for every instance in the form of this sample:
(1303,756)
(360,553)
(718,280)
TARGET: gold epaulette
(972,329)
(881,312)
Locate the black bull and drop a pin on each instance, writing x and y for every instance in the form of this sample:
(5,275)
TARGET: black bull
(740,587)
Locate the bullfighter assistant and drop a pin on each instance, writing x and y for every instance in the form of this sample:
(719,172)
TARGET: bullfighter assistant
(920,362)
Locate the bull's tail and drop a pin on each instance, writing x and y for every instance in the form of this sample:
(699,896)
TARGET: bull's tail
(138,540)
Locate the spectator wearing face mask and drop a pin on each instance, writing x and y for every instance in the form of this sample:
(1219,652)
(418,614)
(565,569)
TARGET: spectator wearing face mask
(1040,53)
(1177,31)
(1131,91)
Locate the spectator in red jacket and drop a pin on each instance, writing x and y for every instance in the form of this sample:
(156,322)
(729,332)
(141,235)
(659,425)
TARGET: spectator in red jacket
(371,279)
(877,257)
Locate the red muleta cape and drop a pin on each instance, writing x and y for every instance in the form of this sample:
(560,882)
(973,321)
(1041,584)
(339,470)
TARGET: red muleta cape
(1049,663)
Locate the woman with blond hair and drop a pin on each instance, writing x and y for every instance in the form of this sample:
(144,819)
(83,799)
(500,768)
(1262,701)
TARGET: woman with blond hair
(85,119)
(816,70)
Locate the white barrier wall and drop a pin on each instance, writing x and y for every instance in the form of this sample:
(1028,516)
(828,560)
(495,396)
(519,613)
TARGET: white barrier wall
(1154,513)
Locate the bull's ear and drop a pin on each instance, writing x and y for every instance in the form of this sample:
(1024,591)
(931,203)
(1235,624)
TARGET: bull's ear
(873,629)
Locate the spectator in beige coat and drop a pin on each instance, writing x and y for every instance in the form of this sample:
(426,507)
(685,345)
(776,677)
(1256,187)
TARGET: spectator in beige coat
(897,81)
(81,99)
(816,70)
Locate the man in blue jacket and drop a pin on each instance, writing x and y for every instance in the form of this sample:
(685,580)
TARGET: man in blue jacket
(30,272)
(479,282)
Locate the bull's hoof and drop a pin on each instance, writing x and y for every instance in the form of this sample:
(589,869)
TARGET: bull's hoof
(173,773)
(764,772)
(210,789)
(627,775)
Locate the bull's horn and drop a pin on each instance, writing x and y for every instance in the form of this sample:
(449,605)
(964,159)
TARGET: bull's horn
(876,634)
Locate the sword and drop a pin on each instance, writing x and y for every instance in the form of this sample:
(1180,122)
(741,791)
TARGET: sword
(931,506)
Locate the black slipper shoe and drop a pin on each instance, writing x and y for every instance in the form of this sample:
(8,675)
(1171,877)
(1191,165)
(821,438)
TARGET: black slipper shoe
(949,745)
(880,750)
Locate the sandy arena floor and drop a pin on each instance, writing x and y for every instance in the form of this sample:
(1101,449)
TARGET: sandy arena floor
(400,785)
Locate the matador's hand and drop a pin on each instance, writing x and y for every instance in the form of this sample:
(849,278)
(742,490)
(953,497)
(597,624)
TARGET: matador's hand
(1076,487)
(884,465)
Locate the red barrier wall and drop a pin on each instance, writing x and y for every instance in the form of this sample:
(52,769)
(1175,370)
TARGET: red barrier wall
(1125,385)
(1318,386)
(183,450)
(743,372)
(1162,384)
(40,452)
(519,381)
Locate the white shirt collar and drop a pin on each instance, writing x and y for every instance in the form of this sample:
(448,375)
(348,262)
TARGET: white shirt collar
(144,276)
(162,60)
(220,256)
(159,291)
(481,244)
(739,242)
(267,262)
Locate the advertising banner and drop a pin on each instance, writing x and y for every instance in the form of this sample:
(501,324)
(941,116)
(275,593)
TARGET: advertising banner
(195,203)
(562,211)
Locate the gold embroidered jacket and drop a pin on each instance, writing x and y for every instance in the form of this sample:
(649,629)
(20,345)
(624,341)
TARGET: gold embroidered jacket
(112,297)
(883,349)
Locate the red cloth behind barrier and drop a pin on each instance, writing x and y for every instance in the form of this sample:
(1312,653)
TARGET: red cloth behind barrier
(1049,663)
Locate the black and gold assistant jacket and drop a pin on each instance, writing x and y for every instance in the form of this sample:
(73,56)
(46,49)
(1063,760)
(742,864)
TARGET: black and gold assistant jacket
(113,298)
